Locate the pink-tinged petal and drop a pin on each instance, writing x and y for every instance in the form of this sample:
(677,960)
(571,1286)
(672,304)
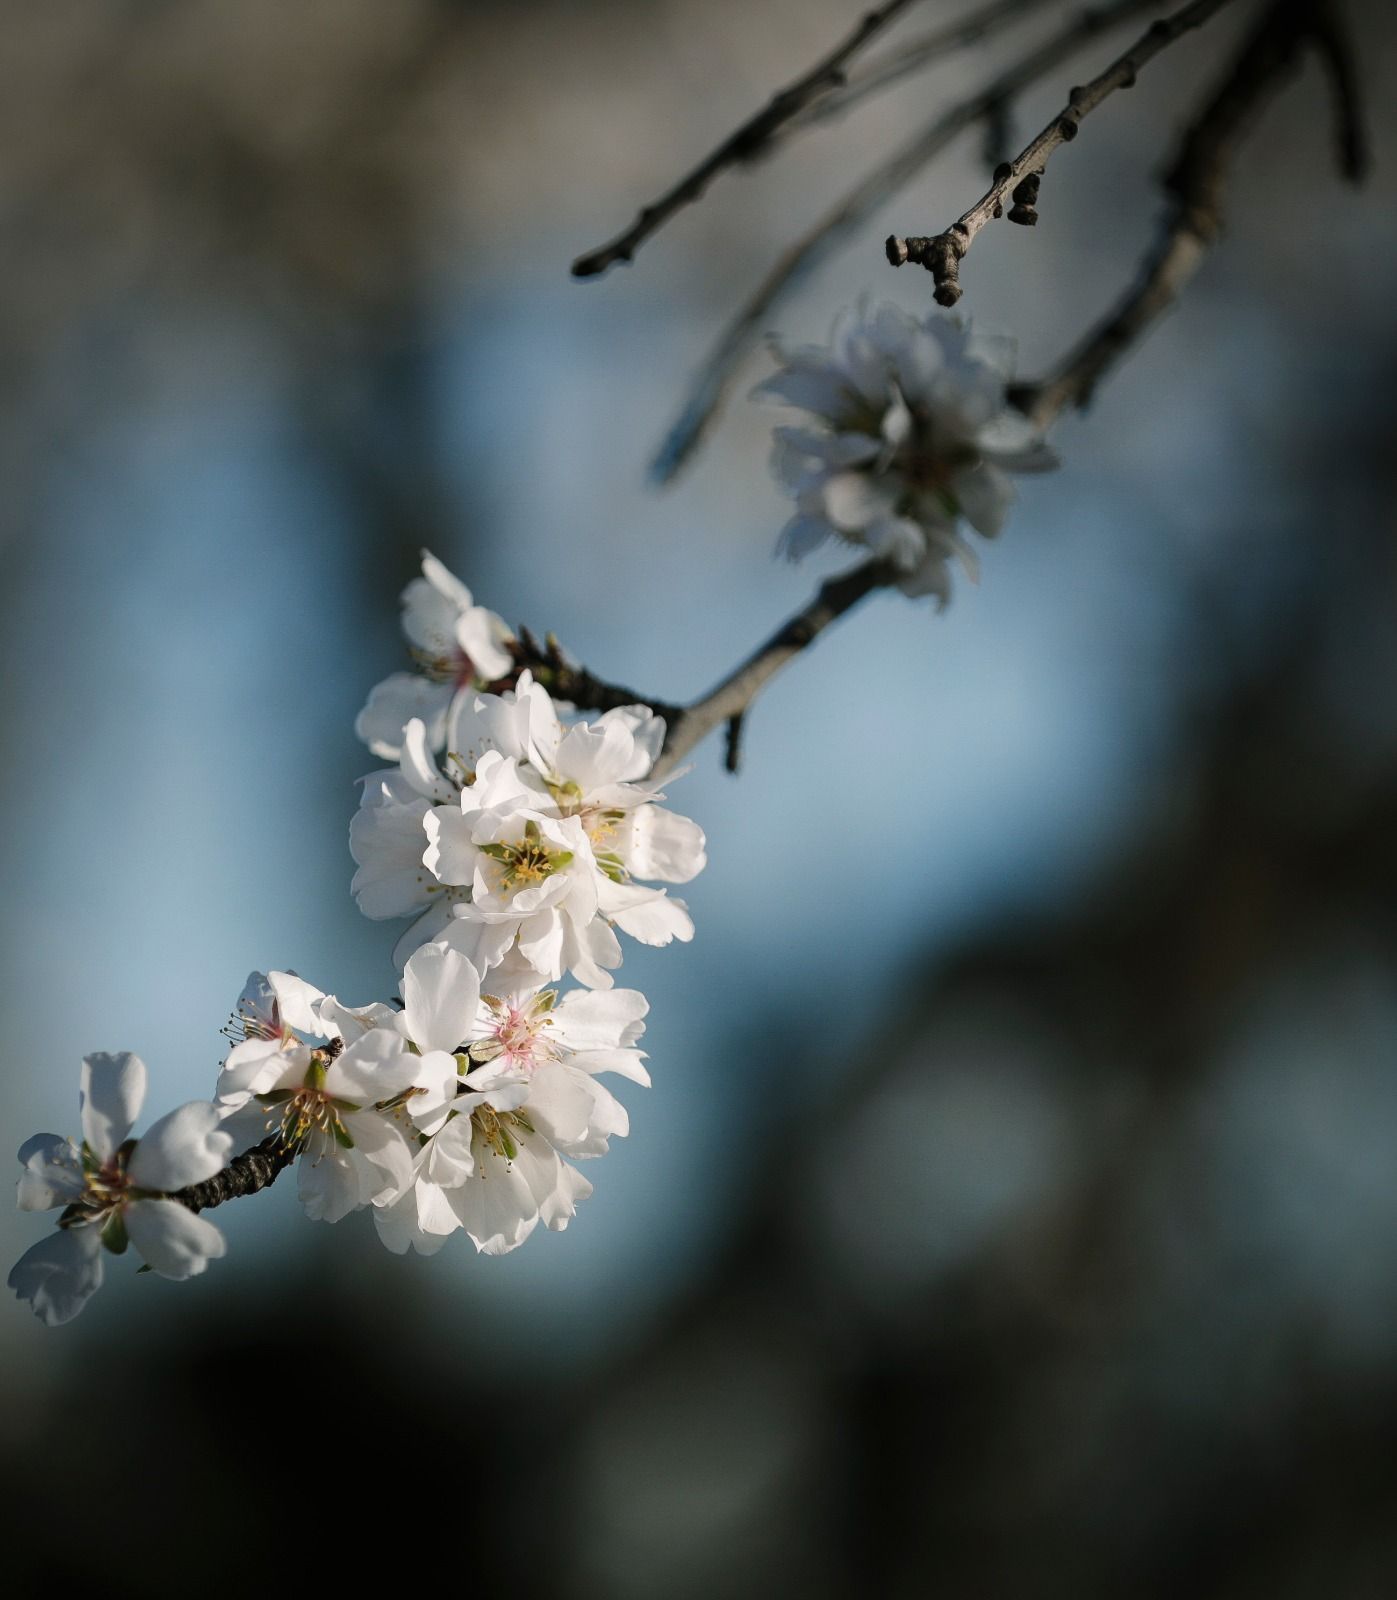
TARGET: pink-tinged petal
(171,1239)
(52,1173)
(112,1089)
(60,1274)
(441,994)
(185,1146)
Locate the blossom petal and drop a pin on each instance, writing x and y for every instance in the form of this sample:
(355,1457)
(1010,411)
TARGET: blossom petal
(171,1239)
(185,1146)
(60,1274)
(441,994)
(52,1175)
(112,1089)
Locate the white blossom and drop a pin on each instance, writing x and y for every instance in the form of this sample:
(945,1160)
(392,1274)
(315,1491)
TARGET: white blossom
(112,1190)
(912,433)
(353,1151)
(537,837)
(509,1091)
(457,645)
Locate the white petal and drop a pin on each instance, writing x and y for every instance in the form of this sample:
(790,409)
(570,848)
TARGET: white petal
(327,1181)
(418,766)
(482,637)
(853,500)
(172,1240)
(113,1087)
(185,1146)
(394,703)
(496,1206)
(441,994)
(662,844)
(984,495)
(299,1002)
(600,1019)
(60,1274)
(375,1067)
(52,1173)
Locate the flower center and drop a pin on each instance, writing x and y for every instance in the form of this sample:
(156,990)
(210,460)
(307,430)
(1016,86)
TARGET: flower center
(527,861)
(517,1033)
(296,1114)
(496,1128)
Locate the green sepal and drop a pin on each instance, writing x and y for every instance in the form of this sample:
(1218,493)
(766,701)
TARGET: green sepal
(114,1234)
(316,1074)
(497,852)
(511,1150)
(559,859)
(343,1138)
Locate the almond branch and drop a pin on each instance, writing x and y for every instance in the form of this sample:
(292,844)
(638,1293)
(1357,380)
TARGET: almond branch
(942,253)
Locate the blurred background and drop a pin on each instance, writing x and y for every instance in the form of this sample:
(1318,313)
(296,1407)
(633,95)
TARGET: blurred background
(1015,1209)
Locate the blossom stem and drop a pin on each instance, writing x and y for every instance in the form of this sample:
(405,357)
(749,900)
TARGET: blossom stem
(249,1173)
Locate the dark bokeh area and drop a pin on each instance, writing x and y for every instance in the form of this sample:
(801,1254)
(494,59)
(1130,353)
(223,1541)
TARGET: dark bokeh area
(1015,1209)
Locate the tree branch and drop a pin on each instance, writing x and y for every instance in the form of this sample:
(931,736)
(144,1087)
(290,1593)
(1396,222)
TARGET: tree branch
(249,1173)
(1269,55)
(716,376)
(942,253)
(916,55)
(742,145)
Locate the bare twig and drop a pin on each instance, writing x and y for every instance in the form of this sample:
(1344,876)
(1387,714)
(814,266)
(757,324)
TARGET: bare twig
(942,253)
(715,377)
(1268,56)
(731,699)
(915,56)
(743,144)
(1335,48)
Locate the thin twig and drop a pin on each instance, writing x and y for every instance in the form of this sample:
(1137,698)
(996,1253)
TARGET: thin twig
(942,253)
(1335,48)
(732,698)
(1268,56)
(915,56)
(716,376)
(743,144)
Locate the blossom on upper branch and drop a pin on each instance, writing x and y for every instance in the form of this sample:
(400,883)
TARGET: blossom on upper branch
(458,647)
(113,1189)
(912,432)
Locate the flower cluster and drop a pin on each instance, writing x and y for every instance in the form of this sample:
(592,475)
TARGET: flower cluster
(520,840)
(912,433)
